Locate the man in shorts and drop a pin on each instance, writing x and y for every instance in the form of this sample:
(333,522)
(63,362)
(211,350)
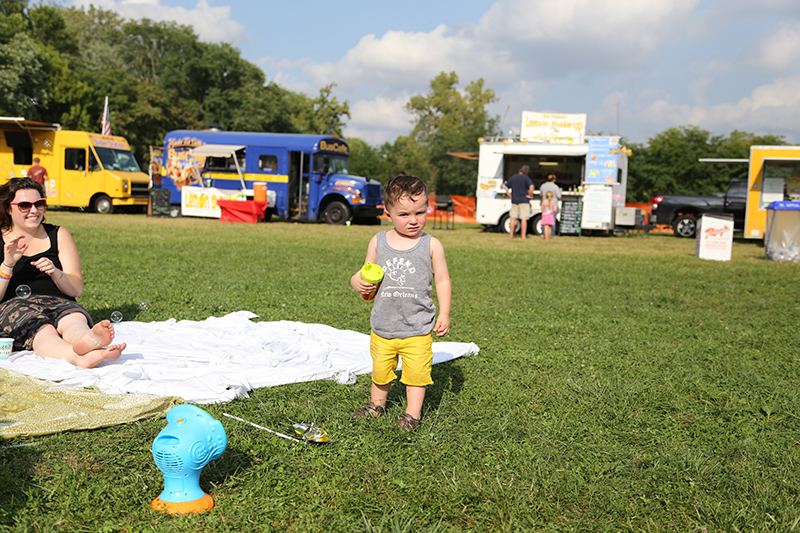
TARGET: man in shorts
(521,191)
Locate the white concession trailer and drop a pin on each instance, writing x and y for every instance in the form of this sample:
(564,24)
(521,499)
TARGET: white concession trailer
(592,173)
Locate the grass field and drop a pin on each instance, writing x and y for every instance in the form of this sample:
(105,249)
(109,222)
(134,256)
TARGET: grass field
(622,385)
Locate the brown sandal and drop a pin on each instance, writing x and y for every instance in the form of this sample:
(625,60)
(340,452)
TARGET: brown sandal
(408,422)
(371,409)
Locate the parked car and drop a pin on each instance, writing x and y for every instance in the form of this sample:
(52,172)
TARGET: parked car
(682,211)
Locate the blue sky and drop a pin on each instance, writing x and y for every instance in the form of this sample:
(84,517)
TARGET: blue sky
(648,65)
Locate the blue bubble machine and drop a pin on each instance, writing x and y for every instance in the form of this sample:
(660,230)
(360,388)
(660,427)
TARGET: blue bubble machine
(191,440)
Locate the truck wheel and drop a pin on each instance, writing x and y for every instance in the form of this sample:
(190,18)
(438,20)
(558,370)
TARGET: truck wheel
(505,224)
(102,205)
(535,225)
(336,213)
(685,226)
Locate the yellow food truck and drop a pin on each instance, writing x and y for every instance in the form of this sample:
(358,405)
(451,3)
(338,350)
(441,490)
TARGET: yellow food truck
(85,170)
(773,176)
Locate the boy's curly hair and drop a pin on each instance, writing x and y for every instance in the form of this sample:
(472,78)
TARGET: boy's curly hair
(403,187)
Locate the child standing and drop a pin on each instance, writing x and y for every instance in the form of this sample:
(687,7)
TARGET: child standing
(403,314)
(548,215)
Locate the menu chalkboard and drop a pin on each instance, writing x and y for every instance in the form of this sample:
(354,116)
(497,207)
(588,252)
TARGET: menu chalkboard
(159,203)
(570,223)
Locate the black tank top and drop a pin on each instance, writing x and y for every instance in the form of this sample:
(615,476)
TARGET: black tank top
(27,274)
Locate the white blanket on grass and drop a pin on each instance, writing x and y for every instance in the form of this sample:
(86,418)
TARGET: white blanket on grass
(220,358)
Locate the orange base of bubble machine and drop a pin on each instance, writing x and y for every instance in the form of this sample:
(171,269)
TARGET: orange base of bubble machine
(197,506)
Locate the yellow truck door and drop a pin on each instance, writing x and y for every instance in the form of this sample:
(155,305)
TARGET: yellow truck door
(80,174)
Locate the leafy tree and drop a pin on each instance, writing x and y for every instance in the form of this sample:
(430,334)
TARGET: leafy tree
(669,163)
(328,112)
(143,115)
(448,120)
(12,19)
(49,28)
(408,155)
(321,115)
(366,160)
(23,81)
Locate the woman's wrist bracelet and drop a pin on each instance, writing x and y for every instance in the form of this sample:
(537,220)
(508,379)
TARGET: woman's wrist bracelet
(3,275)
(7,266)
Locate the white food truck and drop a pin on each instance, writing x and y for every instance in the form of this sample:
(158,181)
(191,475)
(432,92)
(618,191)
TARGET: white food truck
(591,171)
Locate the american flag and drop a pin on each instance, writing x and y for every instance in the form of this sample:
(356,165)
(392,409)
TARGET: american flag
(106,122)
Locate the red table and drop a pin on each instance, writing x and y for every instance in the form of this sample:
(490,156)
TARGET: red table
(248,211)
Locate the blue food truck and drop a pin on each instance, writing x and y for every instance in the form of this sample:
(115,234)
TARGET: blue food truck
(306,176)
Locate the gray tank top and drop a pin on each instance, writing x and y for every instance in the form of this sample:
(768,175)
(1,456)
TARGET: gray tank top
(403,306)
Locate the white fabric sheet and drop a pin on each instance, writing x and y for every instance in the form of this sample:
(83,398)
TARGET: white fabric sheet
(220,358)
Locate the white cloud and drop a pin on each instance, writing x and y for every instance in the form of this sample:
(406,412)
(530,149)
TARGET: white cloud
(780,50)
(519,48)
(567,35)
(407,59)
(770,108)
(380,119)
(698,88)
(212,24)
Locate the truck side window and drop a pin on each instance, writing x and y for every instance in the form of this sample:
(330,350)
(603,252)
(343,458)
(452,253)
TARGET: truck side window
(216,163)
(93,164)
(74,159)
(268,163)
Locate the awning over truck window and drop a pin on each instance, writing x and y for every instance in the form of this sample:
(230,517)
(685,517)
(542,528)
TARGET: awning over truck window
(217,150)
(543,149)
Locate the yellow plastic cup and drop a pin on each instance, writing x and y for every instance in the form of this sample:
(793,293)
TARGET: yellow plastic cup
(371,273)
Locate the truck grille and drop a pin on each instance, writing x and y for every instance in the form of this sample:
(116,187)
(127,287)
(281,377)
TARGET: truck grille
(373,194)
(140,189)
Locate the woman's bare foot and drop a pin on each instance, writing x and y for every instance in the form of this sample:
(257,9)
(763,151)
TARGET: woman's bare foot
(100,335)
(95,357)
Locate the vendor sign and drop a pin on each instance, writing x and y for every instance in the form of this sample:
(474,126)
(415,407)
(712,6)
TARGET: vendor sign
(202,201)
(601,161)
(553,127)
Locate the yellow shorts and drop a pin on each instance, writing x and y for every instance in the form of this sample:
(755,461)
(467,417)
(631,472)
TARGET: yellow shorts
(417,354)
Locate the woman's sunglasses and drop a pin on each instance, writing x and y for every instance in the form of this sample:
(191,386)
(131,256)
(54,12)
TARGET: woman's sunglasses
(26,206)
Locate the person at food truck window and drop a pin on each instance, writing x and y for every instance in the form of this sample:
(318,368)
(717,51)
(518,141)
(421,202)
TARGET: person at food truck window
(521,189)
(550,185)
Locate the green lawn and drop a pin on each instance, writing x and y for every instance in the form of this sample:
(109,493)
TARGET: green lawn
(622,385)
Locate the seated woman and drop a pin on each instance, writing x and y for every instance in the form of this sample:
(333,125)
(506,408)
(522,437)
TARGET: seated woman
(45,258)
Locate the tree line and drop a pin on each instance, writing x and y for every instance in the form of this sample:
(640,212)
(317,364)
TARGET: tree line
(58,64)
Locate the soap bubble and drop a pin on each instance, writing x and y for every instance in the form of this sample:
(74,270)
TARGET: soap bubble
(144,305)
(116,317)
(33,101)
(23,291)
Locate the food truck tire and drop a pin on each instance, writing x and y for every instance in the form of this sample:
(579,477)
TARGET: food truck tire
(535,226)
(505,224)
(685,226)
(336,213)
(102,204)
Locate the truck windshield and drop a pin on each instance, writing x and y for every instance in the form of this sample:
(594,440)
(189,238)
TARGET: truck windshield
(113,159)
(336,164)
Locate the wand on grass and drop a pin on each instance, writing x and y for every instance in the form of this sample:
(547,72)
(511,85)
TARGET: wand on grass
(261,427)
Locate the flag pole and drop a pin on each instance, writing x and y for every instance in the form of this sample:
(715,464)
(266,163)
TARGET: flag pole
(105,123)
